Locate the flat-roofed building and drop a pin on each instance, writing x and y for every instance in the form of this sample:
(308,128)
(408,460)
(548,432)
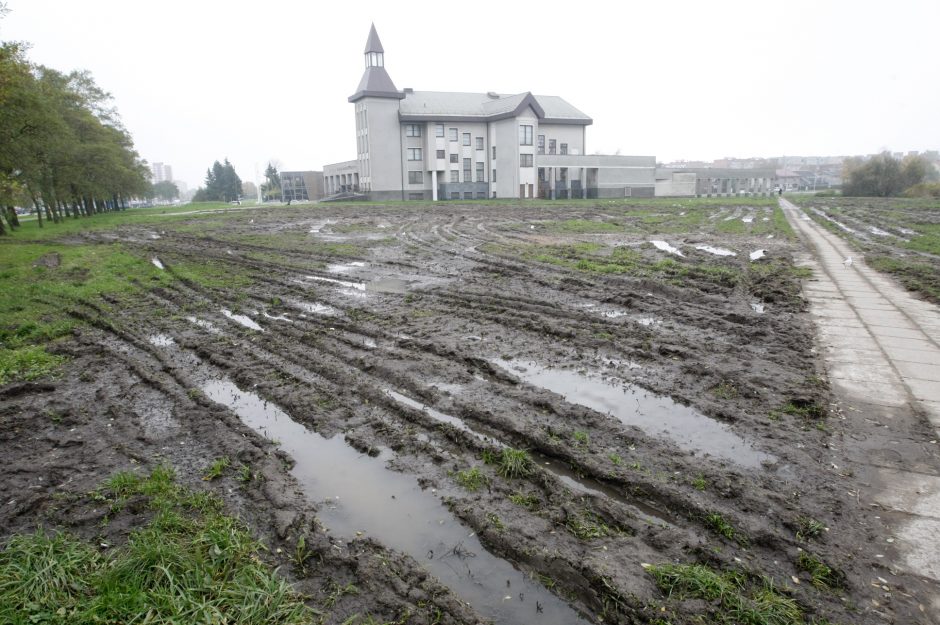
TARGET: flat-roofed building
(433,145)
(301,186)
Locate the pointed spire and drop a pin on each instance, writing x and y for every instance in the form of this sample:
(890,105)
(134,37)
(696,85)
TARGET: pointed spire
(373,44)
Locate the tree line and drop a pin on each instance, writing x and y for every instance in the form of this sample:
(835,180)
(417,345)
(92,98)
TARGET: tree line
(65,152)
(885,176)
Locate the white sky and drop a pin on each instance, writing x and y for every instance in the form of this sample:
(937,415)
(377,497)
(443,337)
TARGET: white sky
(202,80)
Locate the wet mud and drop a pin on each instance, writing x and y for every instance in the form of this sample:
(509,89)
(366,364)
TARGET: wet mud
(381,355)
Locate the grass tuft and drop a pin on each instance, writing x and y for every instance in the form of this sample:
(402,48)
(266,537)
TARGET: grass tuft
(822,575)
(515,463)
(26,363)
(472,479)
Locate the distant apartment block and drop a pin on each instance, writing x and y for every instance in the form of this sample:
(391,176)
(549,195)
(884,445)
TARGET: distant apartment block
(161,172)
(432,145)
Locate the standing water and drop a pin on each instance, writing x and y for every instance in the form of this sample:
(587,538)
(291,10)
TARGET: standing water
(392,508)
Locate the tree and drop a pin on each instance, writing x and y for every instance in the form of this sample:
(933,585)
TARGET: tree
(249,189)
(222,183)
(883,175)
(165,190)
(271,188)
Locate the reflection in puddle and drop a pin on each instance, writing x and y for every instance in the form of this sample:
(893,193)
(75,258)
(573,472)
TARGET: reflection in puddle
(359,286)
(315,308)
(665,247)
(437,415)
(276,317)
(246,321)
(613,314)
(634,406)
(337,268)
(717,251)
(161,340)
(648,321)
(757,254)
(205,325)
(758,307)
(388,285)
(748,219)
(156,263)
(392,508)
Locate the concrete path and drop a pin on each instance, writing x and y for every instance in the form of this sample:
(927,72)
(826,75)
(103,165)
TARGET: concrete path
(882,351)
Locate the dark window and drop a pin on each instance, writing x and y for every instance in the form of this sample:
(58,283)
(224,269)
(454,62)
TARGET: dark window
(455,176)
(455,195)
(439,130)
(414,154)
(541,144)
(493,179)
(453,158)
(415,196)
(466,138)
(551,146)
(467,164)
(525,160)
(479,143)
(563,174)
(494,152)
(453,134)
(481,195)
(525,135)
(468,195)
(441,154)
(564,148)
(415,177)
(480,172)
(412,130)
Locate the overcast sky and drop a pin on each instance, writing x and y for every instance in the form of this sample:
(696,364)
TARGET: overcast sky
(201,80)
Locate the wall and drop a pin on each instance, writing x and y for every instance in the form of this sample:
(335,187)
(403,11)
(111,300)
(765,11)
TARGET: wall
(385,152)
(676,185)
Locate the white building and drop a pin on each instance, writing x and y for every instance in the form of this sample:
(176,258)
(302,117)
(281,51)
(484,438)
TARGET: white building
(414,145)
(161,172)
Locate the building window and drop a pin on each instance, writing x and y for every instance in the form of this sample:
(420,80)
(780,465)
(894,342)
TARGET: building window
(453,134)
(414,154)
(467,164)
(493,177)
(541,144)
(415,177)
(412,130)
(525,160)
(415,196)
(480,172)
(563,174)
(494,152)
(525,135)
(453,158)
(479,143)
(481,195)
(466,138)
(455,195)
(551,146)
(564,148)
(455,176)
(468,195)
(439,130)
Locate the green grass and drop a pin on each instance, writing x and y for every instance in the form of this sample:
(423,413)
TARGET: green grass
(809,528)
(526,501)
(217,468)
(189,563)
(927,240)
(586,525)
(515,463)
(471,479)
(582,438)
(822,575)
(733,597)
(718,524)
(27,363)
(699,482)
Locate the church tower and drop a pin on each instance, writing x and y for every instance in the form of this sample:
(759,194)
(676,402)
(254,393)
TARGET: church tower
(378,130)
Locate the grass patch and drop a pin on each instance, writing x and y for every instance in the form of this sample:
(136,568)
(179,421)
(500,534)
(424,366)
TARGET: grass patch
(725,390)
(804,409)
(472,479)
(588,526)
(27,363)
(809,528)
(718,524)
(526,501)
(188,563)
(916,275)
(736,599)
(699,482)
(217,468)
(514,463)
(822,575)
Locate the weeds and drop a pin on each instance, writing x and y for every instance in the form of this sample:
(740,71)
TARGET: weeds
(189,559)
(526,501)
(472,479)
(717,523)
(739,600)
(822,576)
(809,528)
(725,390)
(617,459)
(582,438)
(587,526)
(699,482)
(216,469)
(515,463)
(27,363)
(493,519)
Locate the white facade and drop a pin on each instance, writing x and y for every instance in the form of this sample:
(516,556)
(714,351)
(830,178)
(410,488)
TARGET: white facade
(413,145)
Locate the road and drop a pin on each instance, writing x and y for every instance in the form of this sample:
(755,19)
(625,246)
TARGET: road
(881,347)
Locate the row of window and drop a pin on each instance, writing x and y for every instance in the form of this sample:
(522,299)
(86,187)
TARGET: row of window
(525,138)
(414,130)
(417,177)
(551,146)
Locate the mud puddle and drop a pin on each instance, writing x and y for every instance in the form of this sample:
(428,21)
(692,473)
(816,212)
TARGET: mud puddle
(366,497)
(161,340)
(634,406)
(205,325)
(244,320)
(666,247)
(717,251)
(345,268)
(315,308)
(156,263)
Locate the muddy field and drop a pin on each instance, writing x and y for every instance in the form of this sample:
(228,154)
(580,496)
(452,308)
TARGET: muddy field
(470,413)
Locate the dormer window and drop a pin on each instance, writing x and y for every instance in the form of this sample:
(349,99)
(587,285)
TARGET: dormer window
(375,59)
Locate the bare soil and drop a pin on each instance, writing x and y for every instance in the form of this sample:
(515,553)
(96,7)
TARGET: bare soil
(427,337)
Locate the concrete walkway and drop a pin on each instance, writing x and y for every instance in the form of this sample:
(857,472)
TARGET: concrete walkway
(882,351)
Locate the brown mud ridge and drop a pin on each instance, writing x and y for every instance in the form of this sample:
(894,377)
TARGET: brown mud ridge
(383,350)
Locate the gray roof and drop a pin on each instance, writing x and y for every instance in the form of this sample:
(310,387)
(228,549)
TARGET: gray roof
(445,105)
(376,83)
(372,43)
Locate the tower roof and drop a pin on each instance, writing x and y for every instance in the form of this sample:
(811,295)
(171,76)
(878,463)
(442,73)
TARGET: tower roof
(373,44)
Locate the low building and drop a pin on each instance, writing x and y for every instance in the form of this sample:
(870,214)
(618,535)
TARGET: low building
(432,145)
(301,186)
(715,182)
